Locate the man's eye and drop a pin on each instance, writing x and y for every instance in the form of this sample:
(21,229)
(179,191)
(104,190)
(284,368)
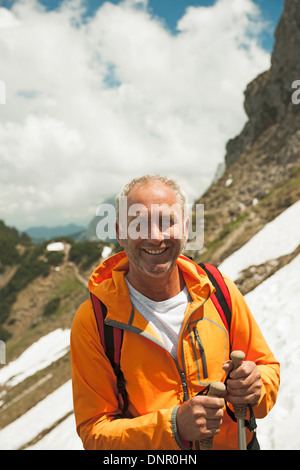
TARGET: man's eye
(167,221)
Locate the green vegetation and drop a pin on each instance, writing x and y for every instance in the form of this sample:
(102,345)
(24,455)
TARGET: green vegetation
(31,260)
(55,258)
(68,287)
(51,307)
(283,195)
(63,296)
(9,241)
(86,253)
(30,267)
(225,232)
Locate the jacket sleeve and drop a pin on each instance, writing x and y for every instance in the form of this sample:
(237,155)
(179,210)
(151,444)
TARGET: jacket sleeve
(95,396)
(247,336)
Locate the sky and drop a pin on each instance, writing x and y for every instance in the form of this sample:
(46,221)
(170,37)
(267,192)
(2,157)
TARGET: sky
(97,93)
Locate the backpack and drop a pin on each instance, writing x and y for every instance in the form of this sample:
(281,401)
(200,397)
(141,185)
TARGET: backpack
(111,337)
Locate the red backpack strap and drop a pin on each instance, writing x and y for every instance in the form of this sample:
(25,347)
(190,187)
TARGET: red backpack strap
(111,338)
(221,296)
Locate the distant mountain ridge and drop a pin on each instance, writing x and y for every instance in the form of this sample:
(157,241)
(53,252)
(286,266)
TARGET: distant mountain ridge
(48,233)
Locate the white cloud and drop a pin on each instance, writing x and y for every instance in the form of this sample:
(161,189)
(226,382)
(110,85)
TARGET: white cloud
(93,102)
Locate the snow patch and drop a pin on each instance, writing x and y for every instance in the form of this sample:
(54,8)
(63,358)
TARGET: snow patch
(40,417)
(39,355)
(57,246)
(276,306)
(277,238)
(106,252)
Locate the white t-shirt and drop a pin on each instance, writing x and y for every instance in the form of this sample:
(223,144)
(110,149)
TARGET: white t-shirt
(165,317)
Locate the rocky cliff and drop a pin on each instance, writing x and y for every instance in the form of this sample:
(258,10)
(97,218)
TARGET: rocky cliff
(262,175)
(268,97)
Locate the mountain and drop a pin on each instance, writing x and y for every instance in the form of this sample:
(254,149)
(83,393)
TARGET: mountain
(48,233)
(90,233)
(252,231)
(272,115)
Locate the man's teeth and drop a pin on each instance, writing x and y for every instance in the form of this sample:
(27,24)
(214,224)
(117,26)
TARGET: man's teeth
(155,252)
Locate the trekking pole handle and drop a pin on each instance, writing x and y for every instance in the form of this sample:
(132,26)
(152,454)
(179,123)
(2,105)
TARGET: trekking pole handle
(216,389)
(237,358)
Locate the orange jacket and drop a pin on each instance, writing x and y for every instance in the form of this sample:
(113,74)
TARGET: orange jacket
(155,382)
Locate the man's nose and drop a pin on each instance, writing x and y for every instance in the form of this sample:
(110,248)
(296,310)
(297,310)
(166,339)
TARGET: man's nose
(156,235)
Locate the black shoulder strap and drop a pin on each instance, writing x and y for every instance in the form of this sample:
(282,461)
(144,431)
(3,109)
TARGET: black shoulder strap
(111,339)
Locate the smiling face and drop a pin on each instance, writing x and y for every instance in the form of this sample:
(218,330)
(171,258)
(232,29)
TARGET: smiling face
(156,231)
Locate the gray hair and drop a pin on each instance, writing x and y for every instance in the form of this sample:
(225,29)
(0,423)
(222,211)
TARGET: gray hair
(143,180)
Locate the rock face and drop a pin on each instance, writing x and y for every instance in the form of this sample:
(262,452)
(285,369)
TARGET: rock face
(262,175)
(268,97)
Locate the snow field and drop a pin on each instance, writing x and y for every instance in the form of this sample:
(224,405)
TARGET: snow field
(39,355)
(40,417)
(279,237)
(276,305)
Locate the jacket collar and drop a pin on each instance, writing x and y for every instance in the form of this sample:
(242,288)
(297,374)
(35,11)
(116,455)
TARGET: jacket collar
(108,284)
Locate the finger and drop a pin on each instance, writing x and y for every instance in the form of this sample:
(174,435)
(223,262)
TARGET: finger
(214,422)
(241,400)
(242,387)
(213,427)
(240,384)
(205,433)
(207,401)
(227,367)
(246,369)
(246,384)
(213,414)
(210,428)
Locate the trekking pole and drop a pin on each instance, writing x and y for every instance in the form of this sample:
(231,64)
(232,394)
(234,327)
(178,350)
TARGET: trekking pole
(216,389)
(240,411)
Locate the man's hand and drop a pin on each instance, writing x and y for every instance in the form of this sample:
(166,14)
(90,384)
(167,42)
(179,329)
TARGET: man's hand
(244,383)
(199,418)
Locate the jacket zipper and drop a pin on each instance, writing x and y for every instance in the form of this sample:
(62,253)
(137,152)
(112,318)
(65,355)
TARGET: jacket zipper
(133,329)
(182,373)
(202,352)
(186,394)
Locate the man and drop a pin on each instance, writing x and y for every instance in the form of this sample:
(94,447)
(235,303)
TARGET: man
(174,341)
